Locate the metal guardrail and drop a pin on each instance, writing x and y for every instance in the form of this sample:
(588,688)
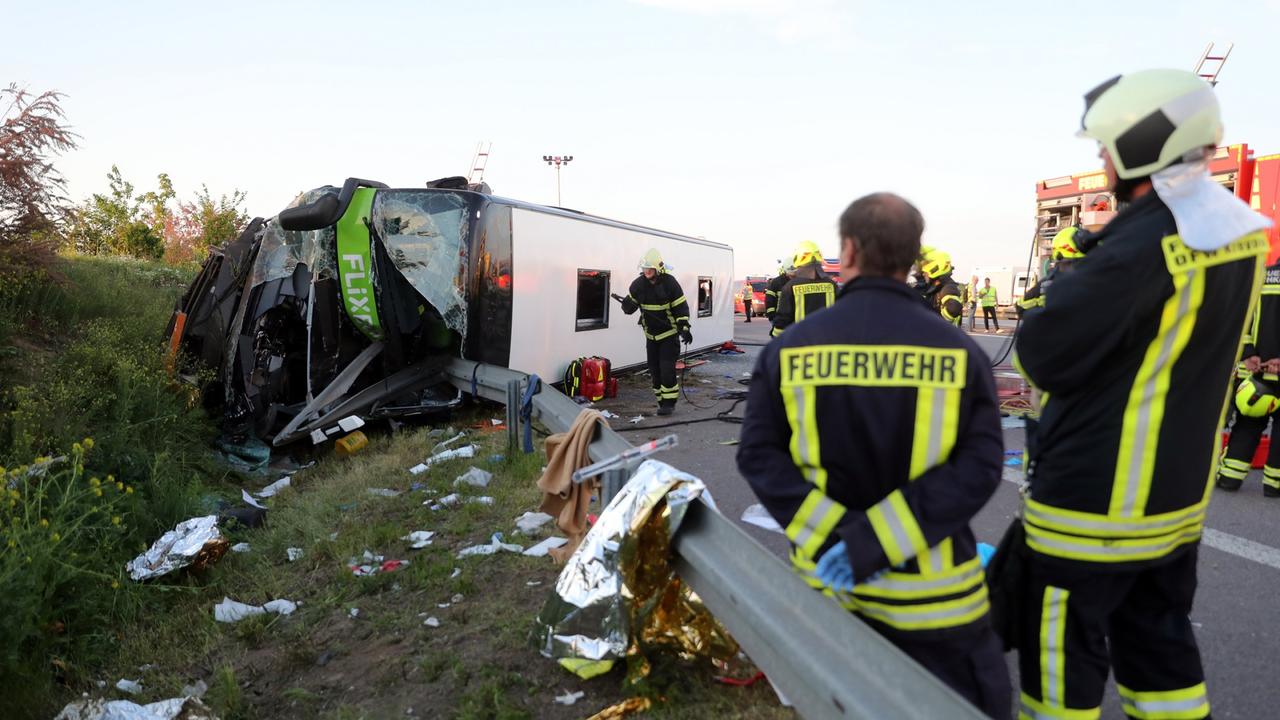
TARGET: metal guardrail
(824,660)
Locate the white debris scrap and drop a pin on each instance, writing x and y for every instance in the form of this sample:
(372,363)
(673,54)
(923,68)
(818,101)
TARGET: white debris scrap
(187,708)
(468,451)
(176,548)
(474,477)
(529,522)
(419,539)
(443,445)
(758,516)
(495,545)
(569,698)
(244,494)
(275,487)
(354,613)
(240,547)
(636,420)
(294,554)
(542,548)
(350,423)
(133,687)
(382,492)
(229,610)
(432,622)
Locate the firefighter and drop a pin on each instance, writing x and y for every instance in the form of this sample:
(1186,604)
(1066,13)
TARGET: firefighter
(988,297)
(808,290)
(941,291)
(771,291)
(872,435)
(664,317)
(1128,442)
(748,300)
(1066,250)
(1255,398)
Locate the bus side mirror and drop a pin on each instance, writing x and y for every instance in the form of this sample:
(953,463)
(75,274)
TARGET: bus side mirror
(313,216)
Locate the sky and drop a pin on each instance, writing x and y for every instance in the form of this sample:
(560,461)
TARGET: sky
(749,122)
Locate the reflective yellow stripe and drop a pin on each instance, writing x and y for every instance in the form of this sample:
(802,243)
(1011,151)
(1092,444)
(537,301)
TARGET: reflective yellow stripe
(893,585)
(1271,289)
(1077,522)
(656,308)
(1053,630)
(1144,411)
(813,522)
(1037,301)
(677,302)
(1074,547)
(800,404)
(923,616)
(896,528)
(1033,709)
(1185,704)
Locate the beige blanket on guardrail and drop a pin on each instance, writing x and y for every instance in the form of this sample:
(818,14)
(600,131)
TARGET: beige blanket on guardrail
(566,502)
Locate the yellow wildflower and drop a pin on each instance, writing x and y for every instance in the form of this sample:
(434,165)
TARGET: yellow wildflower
(119,486)
(44,523)
(115,520)
(75,448)
(94,482)
(55,537)
(128,489)
(97,492)
(111,478)
(88,443)
(115,584)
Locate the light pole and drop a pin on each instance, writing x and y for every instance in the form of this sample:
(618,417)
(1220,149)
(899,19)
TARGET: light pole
(558,161)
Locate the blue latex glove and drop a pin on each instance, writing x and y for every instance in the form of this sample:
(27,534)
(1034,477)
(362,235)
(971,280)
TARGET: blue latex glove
(985,553)
(834,568)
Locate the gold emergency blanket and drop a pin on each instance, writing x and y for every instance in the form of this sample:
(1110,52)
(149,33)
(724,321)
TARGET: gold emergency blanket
(618,597)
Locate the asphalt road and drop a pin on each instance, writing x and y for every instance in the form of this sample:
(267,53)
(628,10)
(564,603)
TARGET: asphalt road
(1239,586)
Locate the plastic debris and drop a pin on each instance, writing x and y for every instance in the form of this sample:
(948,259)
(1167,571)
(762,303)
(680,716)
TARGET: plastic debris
(607,414)
(586,669)
(133,687)
(240,547)
(531,521)
(244,494)
(758,516)
(350,444)
(419,539)
(544,547)
(454,499)
(196,541)
(636,420)
(495,422)
(569,698)
(275,487)
(353,613)
(350,423)
(474,477)
(196,689)
(186,708)
(444,445)
(370,564)
(495,545)
(497,458)
(534,583)
(432,621)
(333,537)
(468,451)
(294,554)
(382,492)
(456,573)
(229,610)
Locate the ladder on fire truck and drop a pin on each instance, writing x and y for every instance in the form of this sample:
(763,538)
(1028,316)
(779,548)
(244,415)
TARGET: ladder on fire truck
(478,163)
(1210,74)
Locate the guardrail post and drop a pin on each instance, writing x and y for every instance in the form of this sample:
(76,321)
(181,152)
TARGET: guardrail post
(513,416)
(611,483)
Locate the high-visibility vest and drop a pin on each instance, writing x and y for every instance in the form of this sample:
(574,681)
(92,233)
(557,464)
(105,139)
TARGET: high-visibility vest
(988,296)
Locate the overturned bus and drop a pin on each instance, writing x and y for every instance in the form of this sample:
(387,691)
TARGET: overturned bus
(354,299)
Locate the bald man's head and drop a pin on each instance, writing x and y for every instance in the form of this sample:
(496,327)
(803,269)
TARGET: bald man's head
(884,231)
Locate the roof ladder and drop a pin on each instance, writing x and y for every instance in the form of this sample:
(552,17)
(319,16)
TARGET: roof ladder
(478,162)
(1210,74)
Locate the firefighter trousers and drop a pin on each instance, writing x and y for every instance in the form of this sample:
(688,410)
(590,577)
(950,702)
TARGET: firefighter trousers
(971,663)
(988,317)
(1236,462)
(1078,620)
(663,355)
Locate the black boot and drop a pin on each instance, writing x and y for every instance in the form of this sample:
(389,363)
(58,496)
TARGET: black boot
(666,407)
(1229,484)
(1268,491)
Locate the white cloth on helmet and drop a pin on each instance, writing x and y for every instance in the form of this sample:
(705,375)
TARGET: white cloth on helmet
(1208,216)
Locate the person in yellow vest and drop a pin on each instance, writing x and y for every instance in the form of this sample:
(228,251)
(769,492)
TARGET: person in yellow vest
(987,296)
(808,291)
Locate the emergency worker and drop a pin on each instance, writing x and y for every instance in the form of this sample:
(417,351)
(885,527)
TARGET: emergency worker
(748,300)
(1065,252)
(1256,395)
(972,292)
(808,291)
(664,317)
(771,291)
(941,291)
(872,435)
(1128,441)
(988,297)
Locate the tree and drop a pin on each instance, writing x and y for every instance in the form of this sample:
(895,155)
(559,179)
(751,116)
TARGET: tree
(204,223)
(118,222)
(32,131)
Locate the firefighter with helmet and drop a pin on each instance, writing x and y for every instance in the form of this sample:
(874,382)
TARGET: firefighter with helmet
(775,286)
(808,291)
(1117,487)
(664,318)
(940,291)
(1256,395)
(1066,250)
(872,435)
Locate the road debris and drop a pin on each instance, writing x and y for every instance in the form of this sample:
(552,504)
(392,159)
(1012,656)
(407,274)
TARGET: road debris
(133,687)
(370,564)
(419,539)
(244,495)
(351,444)
(240,547)
(495,544)
(294,554)
(275,487)
(529,522)
(636,420)
(534,583)
(543,548)
(444,445)
(192,542)
(382,492)
(196,689)
(569,698)
(454,499)
(432,621)
(468,451)
(456,573)
(758,516)
(474,477)
(353,613)
(186,708)
(229,611)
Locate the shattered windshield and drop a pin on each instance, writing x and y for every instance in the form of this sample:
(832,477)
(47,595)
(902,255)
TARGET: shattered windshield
(424,232)
(281,251)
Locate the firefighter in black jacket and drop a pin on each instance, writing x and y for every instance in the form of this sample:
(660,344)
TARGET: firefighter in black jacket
(872,435)
(1128,441)
(1066,250)
(808,291)
(940,291)
(1255,399)
(664,317)
(771,292)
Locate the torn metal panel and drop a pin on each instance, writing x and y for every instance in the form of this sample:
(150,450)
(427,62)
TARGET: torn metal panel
(425,235)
